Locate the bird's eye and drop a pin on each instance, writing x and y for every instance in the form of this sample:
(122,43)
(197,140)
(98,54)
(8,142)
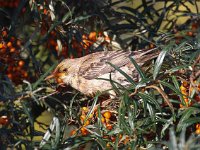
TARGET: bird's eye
(65,70)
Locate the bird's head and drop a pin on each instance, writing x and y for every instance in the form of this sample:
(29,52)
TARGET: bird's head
(62,73)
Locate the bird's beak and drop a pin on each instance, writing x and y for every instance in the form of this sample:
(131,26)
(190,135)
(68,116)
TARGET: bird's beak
(50,77)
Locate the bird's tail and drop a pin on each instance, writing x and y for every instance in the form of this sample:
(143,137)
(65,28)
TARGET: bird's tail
(142,56)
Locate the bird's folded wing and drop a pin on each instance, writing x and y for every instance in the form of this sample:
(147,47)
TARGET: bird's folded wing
(97,65)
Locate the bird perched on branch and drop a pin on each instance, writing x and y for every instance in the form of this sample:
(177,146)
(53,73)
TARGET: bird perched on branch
(82,73)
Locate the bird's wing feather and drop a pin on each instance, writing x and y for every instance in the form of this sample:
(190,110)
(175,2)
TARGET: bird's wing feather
(97,65)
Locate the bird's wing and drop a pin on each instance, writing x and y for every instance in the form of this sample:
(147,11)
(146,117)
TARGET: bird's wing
(96,64)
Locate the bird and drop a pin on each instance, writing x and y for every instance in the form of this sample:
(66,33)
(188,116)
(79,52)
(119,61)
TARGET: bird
(92,73)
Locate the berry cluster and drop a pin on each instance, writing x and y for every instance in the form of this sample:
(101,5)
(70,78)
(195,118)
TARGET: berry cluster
(79,47)
(10,58)
(85,121)
(187,91)
(106,118)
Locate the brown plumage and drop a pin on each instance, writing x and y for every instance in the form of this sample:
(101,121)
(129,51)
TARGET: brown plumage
(82,73)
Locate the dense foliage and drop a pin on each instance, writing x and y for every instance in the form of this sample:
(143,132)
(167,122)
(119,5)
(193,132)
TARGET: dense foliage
(161,111)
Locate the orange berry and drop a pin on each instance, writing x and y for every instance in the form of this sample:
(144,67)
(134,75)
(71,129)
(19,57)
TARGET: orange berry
(84,36)
(108,145)
(185,93)
(107,114)
(56,48)
(103,120)
(120,136)
(185,84)
(10,76)
(96,113)
(182,88)
(197,125)
(151,45)
(9,44)
(93,36)
(181,106)
(87,122)
(190,33)
(73,132)
(21,63)
(59,80)
(109,126)
(86,44)
(85,109)
(186,100)
(113,138)
(45,11)
(1,45)
(25,74)
(126,140)
(18,43)
(82,117)
(12,50)
(84,131)
(197,131)
(3,120)
(90,116)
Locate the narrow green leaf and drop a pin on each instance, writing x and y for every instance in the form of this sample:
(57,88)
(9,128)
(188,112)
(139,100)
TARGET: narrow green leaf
(137,67)
(186,114)
(177,91)
(149,99)
(177,86)
(159,61)
(92,107)
(124,74)
(115,88)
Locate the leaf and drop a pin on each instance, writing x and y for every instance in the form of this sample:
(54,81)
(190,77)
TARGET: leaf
(174,69)
(82,18)
(115,88)
(92,107)
(173,141)
(186,114)
(137,67)
(159,60)
(118,84)
(123,73)
(177,86)
(68,14)
(150,99)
